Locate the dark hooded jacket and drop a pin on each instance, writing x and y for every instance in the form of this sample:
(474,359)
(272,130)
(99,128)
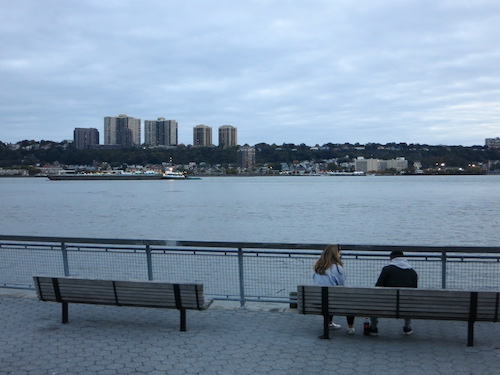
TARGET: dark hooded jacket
(398,274)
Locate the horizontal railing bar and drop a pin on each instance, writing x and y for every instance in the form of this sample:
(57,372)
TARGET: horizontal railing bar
(264,253)
(250,245)
(367,255)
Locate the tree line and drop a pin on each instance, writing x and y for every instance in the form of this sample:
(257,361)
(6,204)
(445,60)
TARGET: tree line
(37,153)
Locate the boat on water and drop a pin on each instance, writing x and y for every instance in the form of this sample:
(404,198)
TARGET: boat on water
(357,173)
(170,174)
(115,175)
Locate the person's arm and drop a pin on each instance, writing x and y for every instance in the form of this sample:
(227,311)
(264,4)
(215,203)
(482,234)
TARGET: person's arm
(333,279)
(340,274)
(333,275)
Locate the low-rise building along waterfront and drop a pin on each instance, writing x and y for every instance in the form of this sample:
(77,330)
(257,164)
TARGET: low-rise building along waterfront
(376,165)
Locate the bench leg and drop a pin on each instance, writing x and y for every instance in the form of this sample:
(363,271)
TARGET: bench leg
(470,334)
(65,312)
(183,319)
(326,328)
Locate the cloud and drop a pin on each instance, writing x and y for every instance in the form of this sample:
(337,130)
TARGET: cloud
(315,72)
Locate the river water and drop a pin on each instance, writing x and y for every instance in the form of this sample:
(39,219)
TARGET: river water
(377,210)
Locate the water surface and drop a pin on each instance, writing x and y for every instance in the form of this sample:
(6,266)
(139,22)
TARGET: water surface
(413,210)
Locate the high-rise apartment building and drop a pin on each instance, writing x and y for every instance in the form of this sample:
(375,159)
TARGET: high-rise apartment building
(202,135)
(246,157)
(227,136)
(83,138)
(160,132)
(122,130)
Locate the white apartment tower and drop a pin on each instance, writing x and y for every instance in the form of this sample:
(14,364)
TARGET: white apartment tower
(202,135)
(122,130)
(227,136)
(161,132)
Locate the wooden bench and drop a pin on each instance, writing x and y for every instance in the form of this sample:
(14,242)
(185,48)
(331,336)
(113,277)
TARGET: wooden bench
(432,304)
(67,290)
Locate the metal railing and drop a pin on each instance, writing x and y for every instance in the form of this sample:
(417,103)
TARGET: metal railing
(237,271)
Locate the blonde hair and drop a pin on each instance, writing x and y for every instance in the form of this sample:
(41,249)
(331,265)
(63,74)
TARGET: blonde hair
(329,257)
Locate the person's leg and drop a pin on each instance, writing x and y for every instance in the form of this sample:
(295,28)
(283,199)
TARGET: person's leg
(350,325)
(350,320)
(407,330)
(373,326)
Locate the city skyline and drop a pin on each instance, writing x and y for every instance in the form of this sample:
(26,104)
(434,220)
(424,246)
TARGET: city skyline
(345,72)
(126,131)
(162,132)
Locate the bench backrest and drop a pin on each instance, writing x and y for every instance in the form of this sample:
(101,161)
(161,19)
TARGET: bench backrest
(122,293)
(399,302)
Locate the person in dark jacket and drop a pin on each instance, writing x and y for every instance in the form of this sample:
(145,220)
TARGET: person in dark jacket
(399,273)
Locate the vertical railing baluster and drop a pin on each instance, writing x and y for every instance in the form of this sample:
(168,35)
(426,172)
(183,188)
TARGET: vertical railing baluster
(443,270)
(150,262)
(65,258)
(242,279)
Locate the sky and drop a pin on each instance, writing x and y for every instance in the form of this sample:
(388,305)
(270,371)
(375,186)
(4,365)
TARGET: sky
(313,72)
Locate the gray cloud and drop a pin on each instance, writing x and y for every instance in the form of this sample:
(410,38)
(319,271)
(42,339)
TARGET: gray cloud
(303,72)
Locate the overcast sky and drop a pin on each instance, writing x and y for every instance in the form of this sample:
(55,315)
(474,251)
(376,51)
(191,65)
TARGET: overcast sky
(308,71)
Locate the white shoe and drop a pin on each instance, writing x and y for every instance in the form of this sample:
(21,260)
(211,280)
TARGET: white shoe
(334,326)
(407,331)
(351,331)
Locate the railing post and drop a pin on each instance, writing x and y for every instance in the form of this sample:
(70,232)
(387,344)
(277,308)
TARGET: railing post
(150,262)
(443,270)
(65,259)
(242,279)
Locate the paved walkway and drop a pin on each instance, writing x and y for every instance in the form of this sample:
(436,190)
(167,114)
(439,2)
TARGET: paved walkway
(223,340)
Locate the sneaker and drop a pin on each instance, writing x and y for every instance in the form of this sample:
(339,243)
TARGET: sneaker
(373,331)
(351,331)
(335,326)
(407,331)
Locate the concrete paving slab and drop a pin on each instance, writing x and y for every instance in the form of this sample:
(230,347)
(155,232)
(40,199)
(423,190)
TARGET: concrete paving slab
(226,340)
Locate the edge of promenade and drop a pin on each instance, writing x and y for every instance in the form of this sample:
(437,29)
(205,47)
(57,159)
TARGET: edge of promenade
(226,339)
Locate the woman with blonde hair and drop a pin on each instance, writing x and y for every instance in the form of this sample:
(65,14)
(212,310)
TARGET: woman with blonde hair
(329,270)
